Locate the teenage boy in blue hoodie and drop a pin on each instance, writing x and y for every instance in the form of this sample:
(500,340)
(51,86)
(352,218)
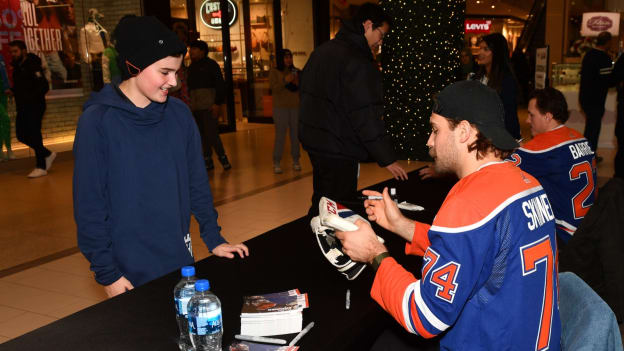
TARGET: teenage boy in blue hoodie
(139,171)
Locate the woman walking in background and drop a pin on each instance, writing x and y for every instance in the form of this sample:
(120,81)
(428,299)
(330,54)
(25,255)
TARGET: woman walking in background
(495,72)
(284,82)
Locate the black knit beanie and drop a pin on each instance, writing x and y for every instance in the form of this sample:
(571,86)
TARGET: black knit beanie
(142,41)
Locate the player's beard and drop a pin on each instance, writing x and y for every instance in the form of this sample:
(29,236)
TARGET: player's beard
(445,156)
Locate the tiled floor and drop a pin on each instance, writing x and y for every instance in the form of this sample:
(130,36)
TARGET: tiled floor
(38,222)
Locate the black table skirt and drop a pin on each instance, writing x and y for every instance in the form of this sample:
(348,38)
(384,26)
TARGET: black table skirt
(284,258)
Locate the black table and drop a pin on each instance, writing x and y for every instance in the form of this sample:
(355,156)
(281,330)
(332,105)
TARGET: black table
(284,258)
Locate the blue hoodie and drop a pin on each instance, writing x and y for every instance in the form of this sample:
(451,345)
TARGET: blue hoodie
(139,174)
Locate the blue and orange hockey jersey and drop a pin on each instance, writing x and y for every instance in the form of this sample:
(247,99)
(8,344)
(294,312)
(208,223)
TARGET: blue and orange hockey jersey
(564,164)
(489,276)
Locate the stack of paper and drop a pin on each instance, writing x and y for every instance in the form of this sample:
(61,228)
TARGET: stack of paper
(273,314)
(252,346)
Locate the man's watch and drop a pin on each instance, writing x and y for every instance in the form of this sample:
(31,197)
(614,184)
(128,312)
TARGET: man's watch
(377,260)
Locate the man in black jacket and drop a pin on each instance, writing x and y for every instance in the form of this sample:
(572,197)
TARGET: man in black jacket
(341,109)
(29,89)
(596,78)
(207,92)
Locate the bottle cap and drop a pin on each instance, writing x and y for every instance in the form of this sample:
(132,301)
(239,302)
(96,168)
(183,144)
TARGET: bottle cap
(202,285)
(188,271)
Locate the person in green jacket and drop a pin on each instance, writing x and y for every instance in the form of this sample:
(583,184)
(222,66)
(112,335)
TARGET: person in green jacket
(5,122)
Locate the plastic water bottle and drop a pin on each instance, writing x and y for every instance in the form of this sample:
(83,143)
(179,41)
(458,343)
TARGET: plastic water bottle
(204,318)
(182,294)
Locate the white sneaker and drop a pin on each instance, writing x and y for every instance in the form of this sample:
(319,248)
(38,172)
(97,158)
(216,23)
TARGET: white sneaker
(277,170)
(37,172)
(49,160)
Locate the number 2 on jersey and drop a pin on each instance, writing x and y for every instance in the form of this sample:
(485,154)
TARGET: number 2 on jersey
(579,169)
(537,252)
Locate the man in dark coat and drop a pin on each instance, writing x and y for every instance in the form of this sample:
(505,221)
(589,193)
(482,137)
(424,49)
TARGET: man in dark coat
(29,89)
(596,78)
(341,110)
(207,92)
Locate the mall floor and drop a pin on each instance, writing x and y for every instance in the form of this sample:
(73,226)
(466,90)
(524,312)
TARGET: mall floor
(43,277)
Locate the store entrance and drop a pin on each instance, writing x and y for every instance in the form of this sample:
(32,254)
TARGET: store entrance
(251,37)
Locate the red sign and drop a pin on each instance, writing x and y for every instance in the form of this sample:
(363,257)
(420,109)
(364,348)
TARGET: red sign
(599,23)
(477,26)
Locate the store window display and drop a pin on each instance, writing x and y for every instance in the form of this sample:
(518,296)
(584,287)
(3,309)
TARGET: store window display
(256,30)
(48,29)
(93,40)
(250,65)
(47,17)
(261,46)
(263,54)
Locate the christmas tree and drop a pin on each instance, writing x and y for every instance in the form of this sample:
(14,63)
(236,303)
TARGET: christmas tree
(420,56)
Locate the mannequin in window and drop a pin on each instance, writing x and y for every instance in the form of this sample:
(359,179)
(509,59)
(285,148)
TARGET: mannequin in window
(93,40)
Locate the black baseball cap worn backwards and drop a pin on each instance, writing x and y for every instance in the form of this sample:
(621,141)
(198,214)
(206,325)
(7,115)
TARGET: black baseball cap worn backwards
(476,103)
(142,41)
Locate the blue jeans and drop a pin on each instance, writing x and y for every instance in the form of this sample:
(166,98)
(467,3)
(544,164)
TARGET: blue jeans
(587,322)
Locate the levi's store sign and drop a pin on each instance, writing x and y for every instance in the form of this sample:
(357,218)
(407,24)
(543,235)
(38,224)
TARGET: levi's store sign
(596,22)
(477,26)
(212,16)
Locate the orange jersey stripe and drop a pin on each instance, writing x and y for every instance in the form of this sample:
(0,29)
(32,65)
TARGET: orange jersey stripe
(484,191)
(551,138)
(390,286)
(420,240)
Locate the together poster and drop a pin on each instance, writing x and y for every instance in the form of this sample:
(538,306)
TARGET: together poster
(48,27)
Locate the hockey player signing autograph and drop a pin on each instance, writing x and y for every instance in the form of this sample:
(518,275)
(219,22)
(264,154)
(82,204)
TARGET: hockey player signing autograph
(489,278)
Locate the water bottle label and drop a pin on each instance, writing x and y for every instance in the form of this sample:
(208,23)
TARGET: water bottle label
(206,323)
(181,304)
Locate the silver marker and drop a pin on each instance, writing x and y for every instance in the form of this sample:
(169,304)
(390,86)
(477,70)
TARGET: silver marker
(348,299)
(370,197)
(301,334)
(260,339)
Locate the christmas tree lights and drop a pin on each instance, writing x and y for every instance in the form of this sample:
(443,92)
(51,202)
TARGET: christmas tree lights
(420,56)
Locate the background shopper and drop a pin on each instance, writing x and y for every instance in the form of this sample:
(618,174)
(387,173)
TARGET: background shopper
(495,72)
(29,89)
(284,81)
(596,78)
(207,91)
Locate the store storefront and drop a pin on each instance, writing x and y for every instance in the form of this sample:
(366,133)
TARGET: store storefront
(244,41)
(476,27)
(582,22)
(73,38)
